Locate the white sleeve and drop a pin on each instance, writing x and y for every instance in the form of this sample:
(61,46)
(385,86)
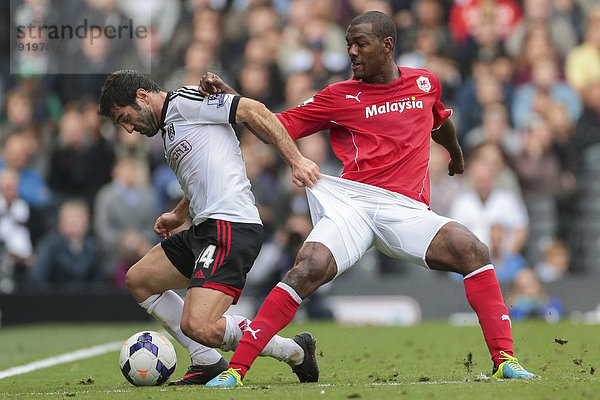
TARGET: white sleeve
(214,109)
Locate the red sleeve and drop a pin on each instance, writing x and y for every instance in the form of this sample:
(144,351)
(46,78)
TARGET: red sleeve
(312,116)
(440,112)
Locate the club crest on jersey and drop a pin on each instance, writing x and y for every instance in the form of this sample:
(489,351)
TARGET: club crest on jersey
(423,83)
(216,100)
(393,106)
(171,131)
(177,153)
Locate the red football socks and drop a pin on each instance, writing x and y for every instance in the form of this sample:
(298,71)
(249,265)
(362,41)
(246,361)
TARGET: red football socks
(277,311)
(484,295)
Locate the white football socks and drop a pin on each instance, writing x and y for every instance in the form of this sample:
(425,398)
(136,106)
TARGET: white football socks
(167,308)
(280,348)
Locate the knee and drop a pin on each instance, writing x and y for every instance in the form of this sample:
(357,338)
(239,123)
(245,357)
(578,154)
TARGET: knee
(474,255)
(480,253)
(134,279)
(314,266)
(203,333)
(139,283)
(310,265)
(457,249)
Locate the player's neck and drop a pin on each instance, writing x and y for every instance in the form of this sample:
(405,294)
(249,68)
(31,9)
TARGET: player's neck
(389,73)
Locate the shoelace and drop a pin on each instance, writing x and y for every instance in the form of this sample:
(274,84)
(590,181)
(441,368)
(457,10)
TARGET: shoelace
(223,376)
(512,361)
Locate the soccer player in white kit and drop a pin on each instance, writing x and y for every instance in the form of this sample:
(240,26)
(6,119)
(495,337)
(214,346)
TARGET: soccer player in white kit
(212,257)
(380,124)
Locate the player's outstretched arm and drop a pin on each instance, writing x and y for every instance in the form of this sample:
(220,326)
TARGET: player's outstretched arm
(265,123)
(172,220)
(446,137)
(213,84)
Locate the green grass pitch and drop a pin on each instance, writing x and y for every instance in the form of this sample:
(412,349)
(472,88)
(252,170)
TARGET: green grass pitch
(432,360)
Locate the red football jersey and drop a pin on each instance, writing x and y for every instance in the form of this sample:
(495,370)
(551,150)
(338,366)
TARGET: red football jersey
(381,133)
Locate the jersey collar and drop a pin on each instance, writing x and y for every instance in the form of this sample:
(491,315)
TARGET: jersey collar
(163,113)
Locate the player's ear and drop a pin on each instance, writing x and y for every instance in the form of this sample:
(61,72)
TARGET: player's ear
(142,95)
(388,45)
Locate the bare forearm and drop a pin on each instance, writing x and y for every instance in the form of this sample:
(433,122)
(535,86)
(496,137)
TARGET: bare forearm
(182,210)
(211,84)
(446,137)
(262,123)
(265,125)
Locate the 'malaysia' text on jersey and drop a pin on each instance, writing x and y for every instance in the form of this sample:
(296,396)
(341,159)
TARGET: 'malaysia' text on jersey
(396,106)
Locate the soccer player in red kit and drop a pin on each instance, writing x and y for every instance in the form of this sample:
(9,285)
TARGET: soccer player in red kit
(380,123)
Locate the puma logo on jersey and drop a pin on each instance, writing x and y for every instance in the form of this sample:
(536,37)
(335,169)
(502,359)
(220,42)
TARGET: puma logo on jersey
(252,332)
(506,318)
(349,96)
(394,106)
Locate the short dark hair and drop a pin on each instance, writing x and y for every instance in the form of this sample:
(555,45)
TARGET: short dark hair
(120,89)
(381,24)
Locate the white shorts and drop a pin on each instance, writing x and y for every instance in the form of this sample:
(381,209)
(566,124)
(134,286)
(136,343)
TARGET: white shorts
(349,217)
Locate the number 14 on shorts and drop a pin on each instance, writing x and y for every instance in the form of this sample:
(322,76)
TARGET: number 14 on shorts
(206,257)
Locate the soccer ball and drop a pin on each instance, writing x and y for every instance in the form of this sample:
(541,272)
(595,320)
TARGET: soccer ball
(147,359)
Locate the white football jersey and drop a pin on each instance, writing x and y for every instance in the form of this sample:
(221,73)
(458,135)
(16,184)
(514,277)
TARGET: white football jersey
(202,149)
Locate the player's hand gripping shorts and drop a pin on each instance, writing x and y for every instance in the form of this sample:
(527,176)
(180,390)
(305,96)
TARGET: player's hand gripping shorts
(349,217)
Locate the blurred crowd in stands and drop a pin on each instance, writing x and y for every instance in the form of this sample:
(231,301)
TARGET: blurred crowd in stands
(79,196)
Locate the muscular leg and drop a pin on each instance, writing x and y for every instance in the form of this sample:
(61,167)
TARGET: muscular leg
(456,249)
(150,282)
(198,324)
(202,318)
(154,274)
(314,266)
(203,321)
